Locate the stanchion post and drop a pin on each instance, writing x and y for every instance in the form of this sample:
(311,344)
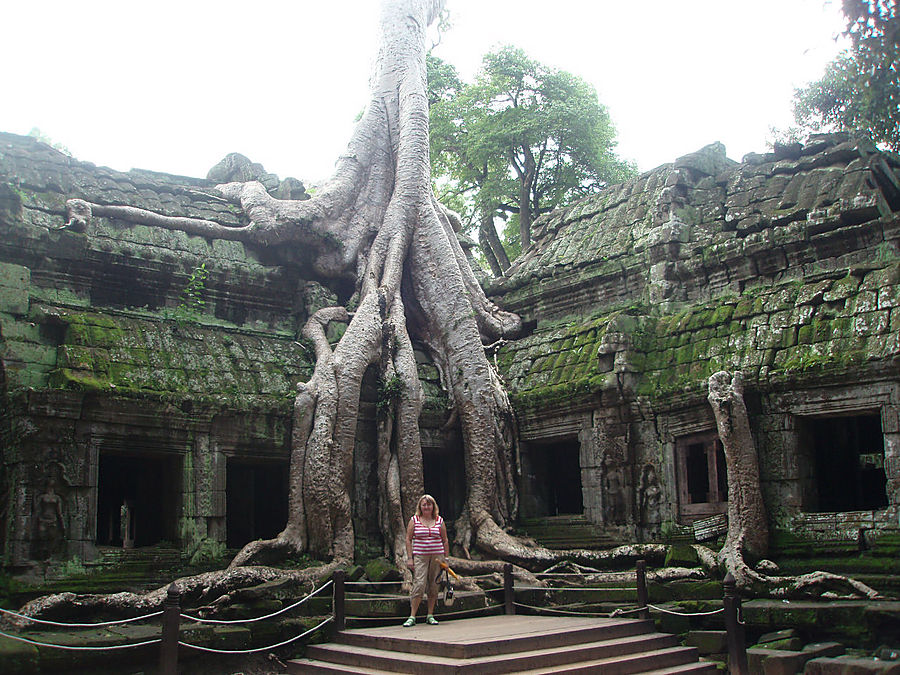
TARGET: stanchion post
(508,589)
(737,646)
(171,618)
(340,615)
(643,597)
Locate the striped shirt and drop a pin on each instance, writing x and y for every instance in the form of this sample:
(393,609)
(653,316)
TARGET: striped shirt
(427,540)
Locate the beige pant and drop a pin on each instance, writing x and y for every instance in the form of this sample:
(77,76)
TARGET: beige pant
(425,575)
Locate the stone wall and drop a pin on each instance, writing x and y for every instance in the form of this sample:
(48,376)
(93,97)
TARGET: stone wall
(784,267)
(110,353)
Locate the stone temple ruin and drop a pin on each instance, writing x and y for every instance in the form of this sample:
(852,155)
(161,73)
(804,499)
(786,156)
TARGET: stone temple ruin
(147,375)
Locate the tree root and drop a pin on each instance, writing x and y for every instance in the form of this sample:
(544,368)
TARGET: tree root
(210,589)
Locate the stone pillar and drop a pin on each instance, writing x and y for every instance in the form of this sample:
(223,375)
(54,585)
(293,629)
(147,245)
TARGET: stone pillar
(215,519)
(890,428)
(591,485)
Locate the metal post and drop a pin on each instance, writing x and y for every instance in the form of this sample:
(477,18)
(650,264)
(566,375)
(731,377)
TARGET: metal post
(508,589)
(340,616)
(737,646)
(171,618)
(643,597)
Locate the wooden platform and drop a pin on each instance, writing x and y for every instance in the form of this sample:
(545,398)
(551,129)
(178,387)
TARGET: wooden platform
(505,644)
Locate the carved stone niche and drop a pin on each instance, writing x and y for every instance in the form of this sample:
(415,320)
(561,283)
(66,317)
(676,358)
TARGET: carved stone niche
(615,476)
(649,499)
(48,516)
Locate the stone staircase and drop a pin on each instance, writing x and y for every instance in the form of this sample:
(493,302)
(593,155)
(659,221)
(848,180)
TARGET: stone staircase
(505,644)
(566,532)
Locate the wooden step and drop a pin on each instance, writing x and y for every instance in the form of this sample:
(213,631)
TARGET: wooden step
(628,664)
(539,633)
(408,662)
(699,668)
(504,644)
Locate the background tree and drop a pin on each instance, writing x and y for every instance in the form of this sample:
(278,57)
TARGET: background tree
(860,90)
(522,139)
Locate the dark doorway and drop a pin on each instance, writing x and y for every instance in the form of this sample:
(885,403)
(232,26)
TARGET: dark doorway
(149,488)
(256,501)
(445,479)
(848,454)
(556,471)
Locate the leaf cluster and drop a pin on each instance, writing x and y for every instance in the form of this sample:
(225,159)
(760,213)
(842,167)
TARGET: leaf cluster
(860,90)
(522,137)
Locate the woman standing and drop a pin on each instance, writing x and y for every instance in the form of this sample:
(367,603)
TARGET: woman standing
(426,546)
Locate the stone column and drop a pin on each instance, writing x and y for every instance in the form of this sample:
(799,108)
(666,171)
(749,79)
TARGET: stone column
(890,428)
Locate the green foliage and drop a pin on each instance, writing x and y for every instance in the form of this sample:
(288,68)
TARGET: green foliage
(388,392)
(191,301)
(208,551)
(46,140)
(72,568)
(860,90)
(522,139)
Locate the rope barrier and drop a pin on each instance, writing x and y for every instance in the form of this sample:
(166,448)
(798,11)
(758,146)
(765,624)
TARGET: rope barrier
(588,588)
(372,583)
(80,625)
(259,618)
(669,611)
(562,611)
(79,648)
(258,649)
(619,612)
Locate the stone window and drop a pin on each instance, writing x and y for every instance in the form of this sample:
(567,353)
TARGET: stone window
(846,471)
(701,476)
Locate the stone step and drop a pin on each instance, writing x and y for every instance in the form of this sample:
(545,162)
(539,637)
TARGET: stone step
(566,532)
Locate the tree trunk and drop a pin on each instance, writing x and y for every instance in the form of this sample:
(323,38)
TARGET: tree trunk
(526,175)
(491,245)
(748,526)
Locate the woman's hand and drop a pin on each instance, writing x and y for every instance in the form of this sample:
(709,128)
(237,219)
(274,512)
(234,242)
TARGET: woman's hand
(411,564)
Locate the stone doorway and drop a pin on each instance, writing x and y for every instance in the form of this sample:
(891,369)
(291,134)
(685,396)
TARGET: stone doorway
(552,477)
(138,497)
(847,461)
(256,501)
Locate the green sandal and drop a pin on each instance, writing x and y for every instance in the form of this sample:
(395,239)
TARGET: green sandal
(431,621)
(411,621)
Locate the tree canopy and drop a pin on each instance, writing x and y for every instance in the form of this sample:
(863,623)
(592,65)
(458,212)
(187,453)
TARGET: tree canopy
(522,139)
(860,90)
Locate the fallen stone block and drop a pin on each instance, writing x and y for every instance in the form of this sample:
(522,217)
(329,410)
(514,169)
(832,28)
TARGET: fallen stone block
(708,641)
(846,665)
(776,661)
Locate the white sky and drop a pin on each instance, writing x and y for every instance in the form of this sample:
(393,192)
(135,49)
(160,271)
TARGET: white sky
(175,86)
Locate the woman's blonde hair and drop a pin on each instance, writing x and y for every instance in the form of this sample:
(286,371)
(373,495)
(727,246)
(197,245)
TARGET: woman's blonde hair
(434,503)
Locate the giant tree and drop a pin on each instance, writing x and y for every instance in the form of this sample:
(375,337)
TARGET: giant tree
(377,225)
